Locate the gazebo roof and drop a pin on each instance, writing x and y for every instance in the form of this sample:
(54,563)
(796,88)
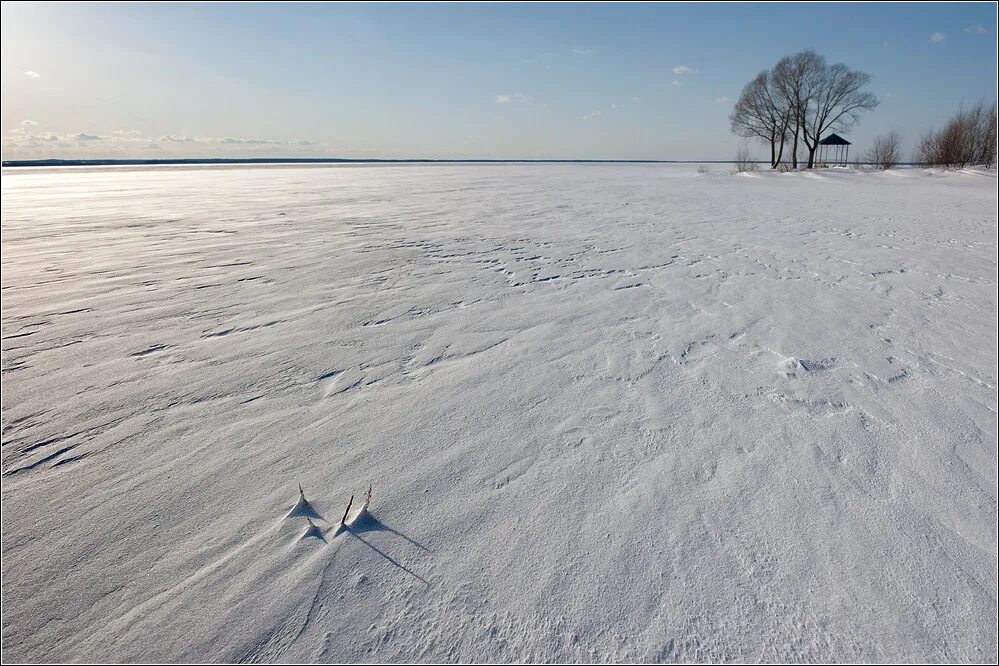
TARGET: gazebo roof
(834,140)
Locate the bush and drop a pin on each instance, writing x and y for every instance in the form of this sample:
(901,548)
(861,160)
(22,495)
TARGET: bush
(886,152)
(968,139)
(743,162)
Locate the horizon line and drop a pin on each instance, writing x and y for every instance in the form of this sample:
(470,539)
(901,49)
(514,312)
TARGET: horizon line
(329,160)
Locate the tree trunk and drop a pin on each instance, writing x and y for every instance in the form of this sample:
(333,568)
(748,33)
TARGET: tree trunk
(794,146)
(773,150)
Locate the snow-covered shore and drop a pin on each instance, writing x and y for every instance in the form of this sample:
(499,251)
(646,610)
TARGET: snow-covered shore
(609,412)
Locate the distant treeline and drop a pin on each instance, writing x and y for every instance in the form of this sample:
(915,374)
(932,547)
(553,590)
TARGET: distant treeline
(326,160)
(969,138)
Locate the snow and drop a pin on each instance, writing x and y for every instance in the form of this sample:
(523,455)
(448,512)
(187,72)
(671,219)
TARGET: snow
(608,412)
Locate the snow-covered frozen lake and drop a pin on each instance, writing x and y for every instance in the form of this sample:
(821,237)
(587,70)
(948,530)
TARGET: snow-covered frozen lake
(609,412)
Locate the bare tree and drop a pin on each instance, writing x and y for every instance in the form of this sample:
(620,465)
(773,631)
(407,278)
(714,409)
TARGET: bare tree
(886,151)
(793,79)
(743,161)
(990,142)
(969,138)
(761,114)
(834,101)
(822,98)
(984,135)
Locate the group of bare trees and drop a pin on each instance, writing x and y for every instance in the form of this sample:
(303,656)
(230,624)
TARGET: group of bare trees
(969,138)
(798,102)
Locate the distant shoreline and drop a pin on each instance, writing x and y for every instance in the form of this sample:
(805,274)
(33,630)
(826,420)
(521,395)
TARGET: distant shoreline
(329,160)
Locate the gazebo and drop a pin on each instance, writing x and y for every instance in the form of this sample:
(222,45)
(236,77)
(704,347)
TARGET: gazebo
(836,147)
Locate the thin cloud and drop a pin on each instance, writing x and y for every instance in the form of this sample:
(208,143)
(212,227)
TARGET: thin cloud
(722,100)
(676,82)
(231,140)
(583,51)
(515,97)
(591,115)
(682,70)
(240,140)
(29,122)
(23,142)
(32,75)
(976,29)
(937,37)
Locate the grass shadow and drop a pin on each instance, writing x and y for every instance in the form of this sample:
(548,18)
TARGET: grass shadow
(367,523)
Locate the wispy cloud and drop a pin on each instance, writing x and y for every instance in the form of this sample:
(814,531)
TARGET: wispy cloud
(722,100)
(32,75)
(22,134)
(592,114)
(584,51)
(976,29)
(232,141)
(515,97)
(250,142)
(26,142)
(676,82)
(937,37)
(682,70)
(614,107)
(540,59)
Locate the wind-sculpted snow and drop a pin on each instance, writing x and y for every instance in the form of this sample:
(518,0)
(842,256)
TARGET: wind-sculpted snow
(609,412)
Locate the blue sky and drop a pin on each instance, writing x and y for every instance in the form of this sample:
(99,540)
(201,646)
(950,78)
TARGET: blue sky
(586,81)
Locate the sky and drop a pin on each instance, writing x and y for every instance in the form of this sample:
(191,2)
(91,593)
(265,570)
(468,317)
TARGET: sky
(457,81)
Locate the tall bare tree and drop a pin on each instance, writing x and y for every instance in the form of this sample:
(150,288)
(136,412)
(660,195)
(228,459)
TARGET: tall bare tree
(801,99)
(760,113)
(794,78)
(835,101)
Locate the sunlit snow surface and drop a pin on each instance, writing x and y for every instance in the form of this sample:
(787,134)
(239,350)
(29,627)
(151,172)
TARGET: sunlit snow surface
(609,412)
